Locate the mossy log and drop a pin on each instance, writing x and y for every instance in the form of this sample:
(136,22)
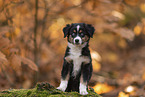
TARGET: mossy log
(44,90)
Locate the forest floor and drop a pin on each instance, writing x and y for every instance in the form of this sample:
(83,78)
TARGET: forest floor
(43,90)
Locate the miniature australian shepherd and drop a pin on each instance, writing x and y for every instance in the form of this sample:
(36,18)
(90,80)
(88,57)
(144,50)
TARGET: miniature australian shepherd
(77,67)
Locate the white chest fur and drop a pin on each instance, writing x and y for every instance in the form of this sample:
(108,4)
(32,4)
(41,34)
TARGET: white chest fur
(76,57)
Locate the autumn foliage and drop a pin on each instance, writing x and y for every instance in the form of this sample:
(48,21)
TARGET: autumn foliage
(32,45)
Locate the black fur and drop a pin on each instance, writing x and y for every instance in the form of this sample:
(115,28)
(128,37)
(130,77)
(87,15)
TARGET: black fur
(66,30)
(86,68)
(88,29)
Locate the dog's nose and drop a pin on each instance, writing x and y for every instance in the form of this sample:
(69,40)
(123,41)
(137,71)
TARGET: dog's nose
(77,40)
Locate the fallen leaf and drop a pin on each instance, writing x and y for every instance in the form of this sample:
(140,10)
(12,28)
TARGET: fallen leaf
(137,30)
(3,61)
(96,65)
(4,42)
(132,2)
(27,84)
(15,62)
(102,88)
(29,63)
(122,94)
(126,33)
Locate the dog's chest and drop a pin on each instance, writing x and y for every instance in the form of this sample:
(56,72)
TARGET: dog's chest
(75,55)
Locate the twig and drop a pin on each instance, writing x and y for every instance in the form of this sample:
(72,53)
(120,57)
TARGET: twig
(35,33)
(44,22)
(35,42)
(6,5)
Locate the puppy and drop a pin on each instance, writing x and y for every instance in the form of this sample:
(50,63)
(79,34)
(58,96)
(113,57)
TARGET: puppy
(77,66)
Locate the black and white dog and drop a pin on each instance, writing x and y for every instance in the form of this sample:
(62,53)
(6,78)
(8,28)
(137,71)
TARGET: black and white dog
(77,66)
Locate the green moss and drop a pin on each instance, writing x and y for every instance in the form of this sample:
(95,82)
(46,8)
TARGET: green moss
(44,90)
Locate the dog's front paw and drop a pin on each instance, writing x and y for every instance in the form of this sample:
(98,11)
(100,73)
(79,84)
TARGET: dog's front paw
(61,88)
(83,92)
(83,89)
(63,85)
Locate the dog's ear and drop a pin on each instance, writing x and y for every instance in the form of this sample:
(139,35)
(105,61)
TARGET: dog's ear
(90,29)
(66,30)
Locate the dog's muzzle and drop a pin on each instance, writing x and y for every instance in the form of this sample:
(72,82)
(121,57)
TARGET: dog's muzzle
(77,40)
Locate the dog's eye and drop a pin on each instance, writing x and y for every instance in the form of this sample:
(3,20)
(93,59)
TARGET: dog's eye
(82,34)
(73,34)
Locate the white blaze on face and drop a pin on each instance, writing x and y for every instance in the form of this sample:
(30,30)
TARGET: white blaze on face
(77,37)
(78,28)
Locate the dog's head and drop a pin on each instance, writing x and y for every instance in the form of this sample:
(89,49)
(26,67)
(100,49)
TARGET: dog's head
(78,33)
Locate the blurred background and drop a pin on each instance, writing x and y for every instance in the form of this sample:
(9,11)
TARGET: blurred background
(32,44)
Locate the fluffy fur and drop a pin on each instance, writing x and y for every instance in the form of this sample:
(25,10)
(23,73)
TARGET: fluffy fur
(77,66)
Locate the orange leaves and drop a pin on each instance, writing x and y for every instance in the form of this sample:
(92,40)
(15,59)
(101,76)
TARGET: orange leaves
(106,16)
(143,76)
(1,3)
(96,58)
(142,7)
(132,2)
(29,63)
(46,54)
(122,43)
(76,2)
(12,65)
(2,56)
(4,42)
(17,31)
(130,90)
(96,66)
(137,30)
(126,33)
(14,33)
(8,56)
(122,94)
(23,9)
(3,61)
(118,15)
(5,45)
(17,62)
(55,28)
(95,55)
(12,1)
(102,88)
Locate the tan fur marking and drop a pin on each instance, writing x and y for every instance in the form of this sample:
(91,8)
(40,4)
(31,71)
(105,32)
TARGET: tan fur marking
(80,31)
(67,77)
(74,31)
(84,39)
(70,39)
